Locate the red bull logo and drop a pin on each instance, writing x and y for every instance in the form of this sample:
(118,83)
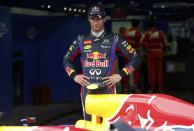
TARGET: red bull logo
(96,63)
(128,70)
(96,55)
(69,70)
(155,113)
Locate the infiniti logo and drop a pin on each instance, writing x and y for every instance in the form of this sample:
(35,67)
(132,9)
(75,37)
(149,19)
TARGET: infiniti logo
(95,71)
(106,41)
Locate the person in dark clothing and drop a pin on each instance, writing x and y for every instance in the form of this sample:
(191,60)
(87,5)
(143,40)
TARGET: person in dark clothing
(98,54)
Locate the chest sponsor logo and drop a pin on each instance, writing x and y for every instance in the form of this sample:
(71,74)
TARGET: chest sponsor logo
(95,72)
(96,63)
(96,55)
(87,42)
(105,46)
(87,47)
(98,60)
(87,51)
(106,41)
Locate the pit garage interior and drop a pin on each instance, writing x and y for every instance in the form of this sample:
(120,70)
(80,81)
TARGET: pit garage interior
(34,35)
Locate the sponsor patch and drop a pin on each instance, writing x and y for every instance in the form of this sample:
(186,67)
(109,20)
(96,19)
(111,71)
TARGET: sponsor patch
(95,72)
(106,41)
(104,46)
(96,63)
(96,55)
(87,51)
(87,47)
(128,70)
(131,50)
(87,42)
(71,47)
(69,70)
(128,47)
(124,42)
(125,45)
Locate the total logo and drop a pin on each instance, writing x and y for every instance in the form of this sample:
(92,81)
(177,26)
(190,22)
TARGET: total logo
(96,55)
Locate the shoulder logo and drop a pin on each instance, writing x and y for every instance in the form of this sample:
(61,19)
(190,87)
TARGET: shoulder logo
(128,47)
(69,70)
(71,47)
(131,50)
(128,70)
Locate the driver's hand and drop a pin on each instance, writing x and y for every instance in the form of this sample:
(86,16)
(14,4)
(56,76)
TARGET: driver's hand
(112,80)
(81,79)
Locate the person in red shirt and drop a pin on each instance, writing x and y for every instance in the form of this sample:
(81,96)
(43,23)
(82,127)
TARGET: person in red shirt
(154,41)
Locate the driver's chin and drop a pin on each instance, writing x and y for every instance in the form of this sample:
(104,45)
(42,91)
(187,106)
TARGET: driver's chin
(96,29)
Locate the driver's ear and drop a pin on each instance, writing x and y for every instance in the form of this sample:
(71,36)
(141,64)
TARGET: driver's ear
(104,19)
(88,19)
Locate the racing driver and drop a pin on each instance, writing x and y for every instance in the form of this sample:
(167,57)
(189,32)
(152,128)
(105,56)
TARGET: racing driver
(98,53)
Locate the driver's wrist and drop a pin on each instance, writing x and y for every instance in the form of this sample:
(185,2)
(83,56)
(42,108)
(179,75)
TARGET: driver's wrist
(119,76)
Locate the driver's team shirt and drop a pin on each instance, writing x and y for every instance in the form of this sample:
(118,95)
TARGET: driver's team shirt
(98,56)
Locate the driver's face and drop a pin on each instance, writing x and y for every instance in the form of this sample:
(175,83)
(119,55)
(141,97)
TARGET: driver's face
(96,24)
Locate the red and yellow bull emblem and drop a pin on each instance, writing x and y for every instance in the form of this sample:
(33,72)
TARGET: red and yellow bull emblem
(128,70)
(96,55)
(69,70)
(97,60)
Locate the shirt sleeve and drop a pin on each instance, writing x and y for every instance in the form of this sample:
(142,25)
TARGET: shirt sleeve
(129,52)
(69,57)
